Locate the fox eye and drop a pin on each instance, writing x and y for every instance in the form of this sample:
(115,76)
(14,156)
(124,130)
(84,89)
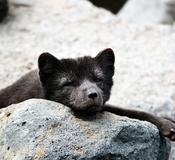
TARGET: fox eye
(98,79)
(68,83)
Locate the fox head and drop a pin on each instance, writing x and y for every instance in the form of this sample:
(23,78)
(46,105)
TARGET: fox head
(82,84)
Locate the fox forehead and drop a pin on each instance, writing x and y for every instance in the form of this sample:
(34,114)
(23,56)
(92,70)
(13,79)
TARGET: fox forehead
(98,72)
(66,77)
(79,65)
(81,68)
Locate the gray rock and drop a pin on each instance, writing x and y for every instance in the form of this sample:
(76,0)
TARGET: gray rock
(148,11)
(40,129)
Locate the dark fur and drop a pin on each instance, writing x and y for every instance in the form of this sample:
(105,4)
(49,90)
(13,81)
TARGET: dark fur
(83,84)
(26,87)
(68,81)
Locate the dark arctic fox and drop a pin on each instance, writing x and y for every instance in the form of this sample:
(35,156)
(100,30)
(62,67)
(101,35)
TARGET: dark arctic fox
(79,83)
(84,84)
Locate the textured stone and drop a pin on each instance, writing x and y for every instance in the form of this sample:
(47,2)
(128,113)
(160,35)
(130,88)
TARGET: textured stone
(40,129)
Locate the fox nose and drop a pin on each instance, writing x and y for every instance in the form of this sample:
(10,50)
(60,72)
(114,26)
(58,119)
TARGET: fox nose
(92,95)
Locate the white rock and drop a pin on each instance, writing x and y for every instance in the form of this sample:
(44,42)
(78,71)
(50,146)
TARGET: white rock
(148,11)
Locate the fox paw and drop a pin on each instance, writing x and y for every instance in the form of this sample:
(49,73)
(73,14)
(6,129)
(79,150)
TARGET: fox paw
(167,128)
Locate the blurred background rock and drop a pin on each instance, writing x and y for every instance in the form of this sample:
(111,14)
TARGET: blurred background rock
(140,11)
(149,11)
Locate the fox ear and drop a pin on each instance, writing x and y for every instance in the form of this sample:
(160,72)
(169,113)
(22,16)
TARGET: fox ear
(48,64)
(106,57)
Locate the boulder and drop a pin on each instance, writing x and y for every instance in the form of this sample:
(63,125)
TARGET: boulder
(40,129)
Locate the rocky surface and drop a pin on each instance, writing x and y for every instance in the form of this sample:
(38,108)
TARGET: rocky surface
(149,11)
(40,129)
(145,68)
(145,55)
